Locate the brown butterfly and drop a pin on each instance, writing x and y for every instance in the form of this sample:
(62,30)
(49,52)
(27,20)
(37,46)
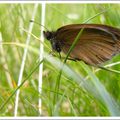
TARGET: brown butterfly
(97,43)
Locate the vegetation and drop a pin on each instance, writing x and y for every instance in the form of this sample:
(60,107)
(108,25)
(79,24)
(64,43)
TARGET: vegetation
(74,89)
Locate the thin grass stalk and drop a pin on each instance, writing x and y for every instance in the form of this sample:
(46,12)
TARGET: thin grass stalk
(41,55)
(107,66)
(23,60)
(100,13)
(60,73)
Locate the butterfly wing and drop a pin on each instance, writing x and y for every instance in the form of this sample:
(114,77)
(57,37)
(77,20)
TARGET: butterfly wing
(97,44)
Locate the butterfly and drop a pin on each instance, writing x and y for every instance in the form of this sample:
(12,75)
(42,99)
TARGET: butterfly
(97,44)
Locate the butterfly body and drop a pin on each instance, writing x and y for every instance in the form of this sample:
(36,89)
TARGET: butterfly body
(97,43)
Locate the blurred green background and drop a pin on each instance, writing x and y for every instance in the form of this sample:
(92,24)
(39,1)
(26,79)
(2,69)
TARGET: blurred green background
(75,100)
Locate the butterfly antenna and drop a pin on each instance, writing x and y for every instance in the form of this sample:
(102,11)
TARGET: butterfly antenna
(39,24)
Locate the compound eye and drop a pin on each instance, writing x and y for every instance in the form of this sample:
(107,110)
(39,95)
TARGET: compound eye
(47,35)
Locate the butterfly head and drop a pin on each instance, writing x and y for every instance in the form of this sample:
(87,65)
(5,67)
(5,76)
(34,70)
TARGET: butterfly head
(51,36)
(48,35)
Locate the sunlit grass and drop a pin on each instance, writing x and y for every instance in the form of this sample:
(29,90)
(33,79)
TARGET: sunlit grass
(82,90)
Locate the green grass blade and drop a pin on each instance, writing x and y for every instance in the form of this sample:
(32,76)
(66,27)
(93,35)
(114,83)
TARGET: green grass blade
(107,98)
(8,99)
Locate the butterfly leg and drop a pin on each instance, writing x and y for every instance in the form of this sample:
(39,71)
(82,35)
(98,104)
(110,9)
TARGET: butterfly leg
(59,55)
(73,59)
